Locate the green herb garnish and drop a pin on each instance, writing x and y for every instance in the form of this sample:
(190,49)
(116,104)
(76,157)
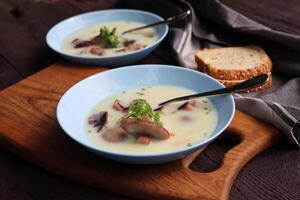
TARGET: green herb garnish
(156,117)
(141,109)
(109,38)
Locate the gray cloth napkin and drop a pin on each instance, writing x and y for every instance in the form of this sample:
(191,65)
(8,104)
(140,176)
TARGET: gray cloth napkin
(213,24)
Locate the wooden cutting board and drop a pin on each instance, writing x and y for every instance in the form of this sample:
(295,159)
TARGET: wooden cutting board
(28,127)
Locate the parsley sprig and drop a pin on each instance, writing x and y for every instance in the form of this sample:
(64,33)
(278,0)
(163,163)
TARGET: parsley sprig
(141,109)
(109,38)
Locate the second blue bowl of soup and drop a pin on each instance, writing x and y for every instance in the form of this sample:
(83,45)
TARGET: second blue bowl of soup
(56,35)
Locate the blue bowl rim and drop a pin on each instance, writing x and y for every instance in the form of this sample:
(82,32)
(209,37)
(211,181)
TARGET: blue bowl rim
(178,151)
(103,11)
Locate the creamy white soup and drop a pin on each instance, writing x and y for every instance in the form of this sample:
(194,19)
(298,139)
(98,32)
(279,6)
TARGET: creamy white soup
(187,122)
(107,40)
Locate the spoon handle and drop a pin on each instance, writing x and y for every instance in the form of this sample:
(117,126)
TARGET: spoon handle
(248,84)
(167,21)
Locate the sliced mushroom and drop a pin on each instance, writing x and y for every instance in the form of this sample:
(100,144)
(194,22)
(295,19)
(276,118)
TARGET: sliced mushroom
(159,109)
(128,43)
(186,119)
(114,134)
(143,127)
(142,139)
(124,119)
(75,40)
(92,119)
(120,50)
(119,107)
(96,39)
(135,46)
(189,105)
(82,43)
(97,51)
(98,120)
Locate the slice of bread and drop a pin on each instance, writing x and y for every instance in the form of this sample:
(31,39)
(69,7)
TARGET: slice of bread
(267,85)
(233,63)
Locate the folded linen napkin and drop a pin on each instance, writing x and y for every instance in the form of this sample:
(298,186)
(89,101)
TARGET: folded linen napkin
(213,24)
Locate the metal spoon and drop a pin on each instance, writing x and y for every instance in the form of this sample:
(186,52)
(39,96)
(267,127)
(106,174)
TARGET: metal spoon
(248,84)
(167,21)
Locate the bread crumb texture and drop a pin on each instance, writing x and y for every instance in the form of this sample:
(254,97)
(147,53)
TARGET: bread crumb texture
(234,63)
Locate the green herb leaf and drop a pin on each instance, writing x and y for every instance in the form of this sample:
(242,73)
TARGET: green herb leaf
(156,118)
(109,38)
(141,109)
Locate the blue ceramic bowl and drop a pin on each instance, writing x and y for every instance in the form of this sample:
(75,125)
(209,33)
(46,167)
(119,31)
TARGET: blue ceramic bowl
(76,103)
(60,31)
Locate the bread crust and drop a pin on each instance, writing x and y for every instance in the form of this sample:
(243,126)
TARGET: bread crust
(268,84)
(234,74)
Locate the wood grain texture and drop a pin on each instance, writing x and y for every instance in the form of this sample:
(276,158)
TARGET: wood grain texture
(28,127)
(24,25)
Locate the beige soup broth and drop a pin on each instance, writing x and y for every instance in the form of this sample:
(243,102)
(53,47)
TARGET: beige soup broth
(127,43)
(186,127)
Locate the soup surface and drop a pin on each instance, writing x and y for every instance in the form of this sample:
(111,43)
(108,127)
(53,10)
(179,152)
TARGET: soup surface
(186,127)
(87,41)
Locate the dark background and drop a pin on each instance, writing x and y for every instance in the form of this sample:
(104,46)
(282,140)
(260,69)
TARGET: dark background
(273,174)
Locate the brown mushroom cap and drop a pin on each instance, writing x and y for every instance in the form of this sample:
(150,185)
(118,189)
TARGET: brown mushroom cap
(142,139)
(114,134)
(97,50)
(119,107)
(189,105)
(143,127)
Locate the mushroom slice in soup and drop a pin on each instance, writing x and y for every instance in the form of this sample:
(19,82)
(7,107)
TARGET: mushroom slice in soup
(144,127)
(189,105)
(119,106)
(120,50)
(159,109)
(82,43)
(96,50)
(98,120)
(128,43)
(142,139)
(135,46)
(92,119)
(114,134)
(186,118)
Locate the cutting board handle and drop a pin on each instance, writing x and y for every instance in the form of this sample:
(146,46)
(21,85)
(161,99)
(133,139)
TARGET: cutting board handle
(251,141)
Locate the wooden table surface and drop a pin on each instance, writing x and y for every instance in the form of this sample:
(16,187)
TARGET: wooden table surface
(274,174)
